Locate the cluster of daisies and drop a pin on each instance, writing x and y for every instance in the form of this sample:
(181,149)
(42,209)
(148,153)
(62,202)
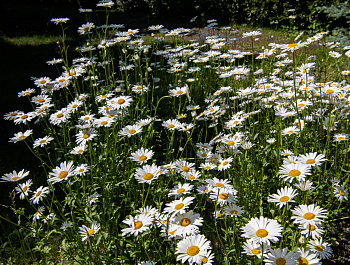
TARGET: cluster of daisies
(102,108)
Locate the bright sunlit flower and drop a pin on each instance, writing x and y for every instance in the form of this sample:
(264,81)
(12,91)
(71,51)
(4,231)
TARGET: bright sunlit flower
(86,232)
(192,249)
(294,171)
(14,176)
(321,249)
(137,225)
(308,214)
(63,172)
(281,256)
(142,155)
(283,196)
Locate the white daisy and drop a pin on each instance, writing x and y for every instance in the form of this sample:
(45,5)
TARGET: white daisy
(192,249)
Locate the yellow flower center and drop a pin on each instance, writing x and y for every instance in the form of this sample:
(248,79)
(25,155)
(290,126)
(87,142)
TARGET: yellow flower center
(233,212)
(38,193)
(171,126)
(193,251)
(179,92)
(309,216)
(120,101)
(79,151)
(256,251)
(310,161)
(191,177)
(142,158)
(138,225)
(25,189)
(219,184)
(148,176)
(329,91)
(86,135)
(15,178)
(340,138)
(205,190)
(303,261)
(104,122)
(231,143)
(292,45)
(179,191)
(207,167)
(41,100)
(42,141)
(301,105)
(62,174)
(225,163)
(218,214)
(311,227)
(61,80)
(60,115)
(185,168)
(24,117)
(42,82)
(262,233)
(204,260)
(294,173)
(132,131)
(342,192)
(284,199)
(179,206)
(204,155)
(81,170)
(281,261)
(91,232)
(319,248)
(185,222)
(223,196)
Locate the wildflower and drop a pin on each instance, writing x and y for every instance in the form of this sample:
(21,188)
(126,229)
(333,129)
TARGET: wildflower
(38,213)
(278,257)
(341,193)
(142,155)
(86,28)
(78,150)
(20,136)
(14,176)
(283,196)
(341,137)
(178,206)
(271,140)
(59,20)
(312,159)
(86,232)
(138,224)
(262,230)
(290,130)
(105,3)
(252,248)
(147,174)
(234,210)
(81,170)
(63,172)
(59,117)
(91,199)
(42,141)
(308,214)
(122,102)
(292,171)
(306,257)
(187,223)
(131,130)
(320,248)
(66,225)
(223,196)
(192,249)
(304,185)
(311,230)
(39,194)
(23,189)
(180,189)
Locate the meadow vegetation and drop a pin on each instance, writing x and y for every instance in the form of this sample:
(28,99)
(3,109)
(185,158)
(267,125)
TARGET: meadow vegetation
(218,145)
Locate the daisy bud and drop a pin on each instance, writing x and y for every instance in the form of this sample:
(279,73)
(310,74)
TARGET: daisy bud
(302,240)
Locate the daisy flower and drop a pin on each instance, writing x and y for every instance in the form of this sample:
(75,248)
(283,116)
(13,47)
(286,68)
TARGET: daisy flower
(63,172)
(192,249)
(224,163)
(122,102)
(180,189)
(311,230)
(39,194)
(38,213)
(92,198)
(304,185)
(66,225)
(271,140)
(283,196)
(308,214)
(147,173)
(208,258)
(130,130)
(86,232)
(42,141)
(139,88)
(23,189)
(252,248)
(341,137)
(183,166)
(321,249)
(312,159)
(59,117)
(281,256)
(207,166)
(223,196)
(142,155)
(138,224)
(187,224)
(171,124)
(191,175)
(341,193)
(14,176)
(204,189)
(78,150)
(20,136)
(82,137)
(217,184)
(178,206)
(292,171)
(262,230)
(307,257)
(290,130)
(234,210)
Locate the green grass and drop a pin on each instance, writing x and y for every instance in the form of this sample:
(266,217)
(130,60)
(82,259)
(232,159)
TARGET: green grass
(35,40)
